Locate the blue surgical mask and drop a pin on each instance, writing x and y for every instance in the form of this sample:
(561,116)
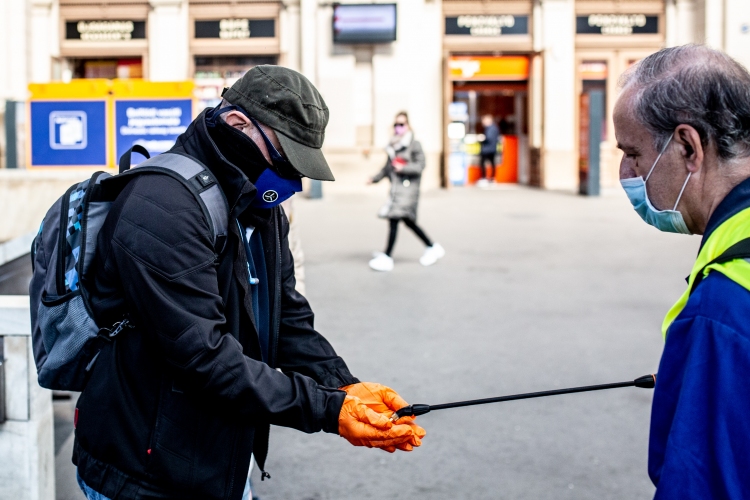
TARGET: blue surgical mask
(274,189)
(669,221)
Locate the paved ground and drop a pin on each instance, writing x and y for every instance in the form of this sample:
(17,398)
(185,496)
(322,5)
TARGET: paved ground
(538,290)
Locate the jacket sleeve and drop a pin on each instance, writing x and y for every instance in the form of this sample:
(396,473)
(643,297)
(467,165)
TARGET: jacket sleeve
(383,172)
(700,432)
(416,162)
(162,248)
(301,348)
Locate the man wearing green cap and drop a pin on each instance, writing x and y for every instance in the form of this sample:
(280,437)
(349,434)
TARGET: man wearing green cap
(222,346)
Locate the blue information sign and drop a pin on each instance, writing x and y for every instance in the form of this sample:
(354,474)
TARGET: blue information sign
(154,124)
(68,133)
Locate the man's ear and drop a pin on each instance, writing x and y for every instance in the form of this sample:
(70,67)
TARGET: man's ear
(691,148)
(236,119)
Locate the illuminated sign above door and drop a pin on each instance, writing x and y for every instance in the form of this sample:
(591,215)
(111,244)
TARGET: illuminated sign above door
(236,29)
(502,68)
(105,31)
(617,24)
(487,25)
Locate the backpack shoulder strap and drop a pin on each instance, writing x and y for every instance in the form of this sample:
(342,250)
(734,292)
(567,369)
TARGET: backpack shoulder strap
(200,181)
(740,250)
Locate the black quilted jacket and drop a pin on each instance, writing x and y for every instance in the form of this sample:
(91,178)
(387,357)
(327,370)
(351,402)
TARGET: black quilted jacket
(175,406)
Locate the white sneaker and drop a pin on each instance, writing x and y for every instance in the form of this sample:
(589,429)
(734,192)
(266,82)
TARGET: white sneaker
(483,183)
(382,263)
(432,254)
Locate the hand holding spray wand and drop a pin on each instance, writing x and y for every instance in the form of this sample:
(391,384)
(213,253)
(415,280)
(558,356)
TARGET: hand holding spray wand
(645,382)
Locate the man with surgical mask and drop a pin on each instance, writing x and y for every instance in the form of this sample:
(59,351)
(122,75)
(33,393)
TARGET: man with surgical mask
(222,346)
(683,124)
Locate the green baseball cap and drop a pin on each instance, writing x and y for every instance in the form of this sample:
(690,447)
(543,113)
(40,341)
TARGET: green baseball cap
(288,103)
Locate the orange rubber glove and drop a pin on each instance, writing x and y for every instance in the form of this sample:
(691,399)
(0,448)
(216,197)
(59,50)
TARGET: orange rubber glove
(361,426)
(386,401)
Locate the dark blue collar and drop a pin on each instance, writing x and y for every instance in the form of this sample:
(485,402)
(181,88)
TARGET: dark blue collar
(736,201)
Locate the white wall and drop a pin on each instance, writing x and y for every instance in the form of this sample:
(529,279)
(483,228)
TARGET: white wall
(737,30)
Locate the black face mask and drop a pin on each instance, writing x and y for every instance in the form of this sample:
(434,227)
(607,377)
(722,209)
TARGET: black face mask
(239,149)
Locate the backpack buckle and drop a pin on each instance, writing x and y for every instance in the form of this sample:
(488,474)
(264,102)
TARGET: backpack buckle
(110,333)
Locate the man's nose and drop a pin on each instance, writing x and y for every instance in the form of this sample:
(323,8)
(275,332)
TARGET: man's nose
(626,171)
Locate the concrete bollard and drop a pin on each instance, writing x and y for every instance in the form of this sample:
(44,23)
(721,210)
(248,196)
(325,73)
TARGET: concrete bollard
(27,458)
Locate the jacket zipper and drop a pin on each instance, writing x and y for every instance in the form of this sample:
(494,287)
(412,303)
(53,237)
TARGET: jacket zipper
(277,294)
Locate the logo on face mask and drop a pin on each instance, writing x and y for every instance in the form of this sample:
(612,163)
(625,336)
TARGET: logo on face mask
(270,196)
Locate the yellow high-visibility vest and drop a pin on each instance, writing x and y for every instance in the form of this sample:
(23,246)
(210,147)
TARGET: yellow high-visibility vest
(732,231)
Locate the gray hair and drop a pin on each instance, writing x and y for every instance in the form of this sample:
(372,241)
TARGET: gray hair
(697,86)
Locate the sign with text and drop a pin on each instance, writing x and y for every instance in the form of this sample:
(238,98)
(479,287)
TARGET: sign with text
(105,30)
(487,25)
(236,29)
(68,133)
(617,24)
(152,123)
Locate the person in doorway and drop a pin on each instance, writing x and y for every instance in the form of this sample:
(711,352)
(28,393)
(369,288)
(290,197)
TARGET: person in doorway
(404,168)
(488,150)
(682,122)
(221,345)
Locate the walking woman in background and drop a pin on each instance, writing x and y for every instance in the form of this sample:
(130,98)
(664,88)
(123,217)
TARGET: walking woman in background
(404,169)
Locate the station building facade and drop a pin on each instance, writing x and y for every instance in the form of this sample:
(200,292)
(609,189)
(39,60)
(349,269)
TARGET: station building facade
(528,63)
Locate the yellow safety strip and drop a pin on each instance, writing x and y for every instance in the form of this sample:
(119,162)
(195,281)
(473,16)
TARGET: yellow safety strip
(736,228)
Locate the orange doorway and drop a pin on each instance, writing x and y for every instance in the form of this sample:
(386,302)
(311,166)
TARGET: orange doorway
(498,89)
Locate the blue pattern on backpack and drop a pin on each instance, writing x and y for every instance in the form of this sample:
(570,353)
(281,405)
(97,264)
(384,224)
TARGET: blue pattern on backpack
(73,239)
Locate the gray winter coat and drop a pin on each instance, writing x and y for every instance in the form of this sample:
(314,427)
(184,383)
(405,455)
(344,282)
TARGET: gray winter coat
(404,184)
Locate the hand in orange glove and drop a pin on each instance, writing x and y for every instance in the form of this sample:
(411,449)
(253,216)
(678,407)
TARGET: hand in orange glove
(361,426)
(385,401)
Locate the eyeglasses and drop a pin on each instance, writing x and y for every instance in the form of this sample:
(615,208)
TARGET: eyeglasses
(399,125)
(281,164)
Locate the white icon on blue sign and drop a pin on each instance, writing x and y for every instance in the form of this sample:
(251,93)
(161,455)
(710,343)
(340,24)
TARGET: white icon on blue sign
(67,130)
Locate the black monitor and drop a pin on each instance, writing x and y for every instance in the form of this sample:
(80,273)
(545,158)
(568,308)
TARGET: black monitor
(364,23)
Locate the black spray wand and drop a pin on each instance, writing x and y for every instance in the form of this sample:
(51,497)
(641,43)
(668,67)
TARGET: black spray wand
(645,382)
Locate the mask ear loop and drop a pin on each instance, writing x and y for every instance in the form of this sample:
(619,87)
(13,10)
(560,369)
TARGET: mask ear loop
(658,157)
(684,185)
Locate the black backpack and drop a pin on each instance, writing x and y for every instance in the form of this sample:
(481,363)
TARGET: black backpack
(66,337)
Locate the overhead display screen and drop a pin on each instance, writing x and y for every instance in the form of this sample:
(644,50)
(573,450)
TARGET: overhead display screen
(364,23)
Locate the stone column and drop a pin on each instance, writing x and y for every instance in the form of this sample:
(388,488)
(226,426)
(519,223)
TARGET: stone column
(308,39)
(168,41)
(536,98)
(289,36)
(714,23)
(559,151)
(42,29)
(13,60)
(685,23)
